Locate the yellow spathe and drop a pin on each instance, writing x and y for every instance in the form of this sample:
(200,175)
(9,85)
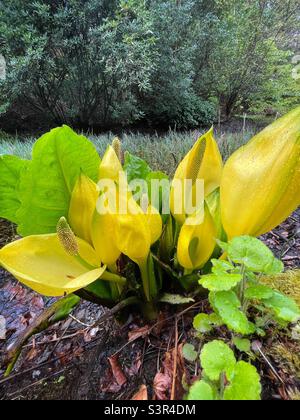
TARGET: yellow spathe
(196,241)
(261,182)
(82,207)
(41,263)
(203,162)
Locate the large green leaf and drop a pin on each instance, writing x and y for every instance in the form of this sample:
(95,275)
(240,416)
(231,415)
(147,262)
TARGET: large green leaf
(11,168)
(47,184)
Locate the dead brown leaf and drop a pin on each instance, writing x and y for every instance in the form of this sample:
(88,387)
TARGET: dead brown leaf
(162,385)
(117,370)
(163,380)
(135,367)
(32,354)
(141,395)
(139,333)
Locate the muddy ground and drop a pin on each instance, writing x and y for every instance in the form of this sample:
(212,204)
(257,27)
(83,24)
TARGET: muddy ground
(76,360)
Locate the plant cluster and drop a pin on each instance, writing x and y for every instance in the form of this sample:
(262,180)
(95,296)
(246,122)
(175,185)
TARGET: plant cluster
(90,230)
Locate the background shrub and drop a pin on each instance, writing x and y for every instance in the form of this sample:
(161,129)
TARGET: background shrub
(108,63)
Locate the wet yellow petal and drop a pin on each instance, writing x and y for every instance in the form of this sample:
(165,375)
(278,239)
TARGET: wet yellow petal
(260,185)
(103,228)
(41,263)
(155,223)
(110,166)
(203,162)
(132,232)
(197,241)
(82,207)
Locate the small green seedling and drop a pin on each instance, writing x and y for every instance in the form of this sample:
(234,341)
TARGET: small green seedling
(224,378)
(234,288)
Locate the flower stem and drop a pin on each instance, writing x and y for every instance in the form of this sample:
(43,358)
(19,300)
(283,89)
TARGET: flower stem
(148,277)
(243,286)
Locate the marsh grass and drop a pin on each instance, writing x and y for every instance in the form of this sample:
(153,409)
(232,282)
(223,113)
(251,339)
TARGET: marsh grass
(162,152)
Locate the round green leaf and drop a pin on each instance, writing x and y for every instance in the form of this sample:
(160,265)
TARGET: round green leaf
(204,323)
(284,307)
(201,391)
(259,291)
(216,358)
(189,352)
(228,306)
(242,344)
(220,282)
(254,254)
(221,267)
(245,384)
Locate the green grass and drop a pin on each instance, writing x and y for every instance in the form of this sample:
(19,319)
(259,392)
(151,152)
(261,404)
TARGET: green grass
(161,152)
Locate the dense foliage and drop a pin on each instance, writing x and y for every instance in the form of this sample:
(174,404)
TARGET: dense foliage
(117,62)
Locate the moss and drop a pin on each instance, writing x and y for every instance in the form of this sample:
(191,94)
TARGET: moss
(287,357)
(287,283)
(294,394)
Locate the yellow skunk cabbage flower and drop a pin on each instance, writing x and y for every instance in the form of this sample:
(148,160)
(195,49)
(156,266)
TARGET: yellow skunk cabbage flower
(260,185)
(82,207)
(110,167)
(104,217)
(197,240)
(42,263)
(132,232)
(203,162)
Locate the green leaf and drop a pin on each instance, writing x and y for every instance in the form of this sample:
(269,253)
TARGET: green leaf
(46,186)
(11,168)
(201,391)
(135,167)
(221,267)
(204,323)
(258,291)
(65,307)
(284,307)
(242,344)
(216,358)
(228,306)
(101,289)
(223,245)
(245,384)
(220,282)
(189,352)
(175,299)
(254,254)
